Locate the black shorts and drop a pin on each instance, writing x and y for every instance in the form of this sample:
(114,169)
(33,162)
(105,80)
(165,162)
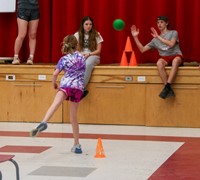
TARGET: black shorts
(28,14)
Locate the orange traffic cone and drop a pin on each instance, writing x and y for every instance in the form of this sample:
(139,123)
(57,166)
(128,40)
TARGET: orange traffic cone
(128,47)
(124,61)
(133,61)
(99,150)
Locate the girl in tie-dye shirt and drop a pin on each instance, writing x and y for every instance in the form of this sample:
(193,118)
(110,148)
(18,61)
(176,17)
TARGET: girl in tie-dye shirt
(73,66)
(71,87)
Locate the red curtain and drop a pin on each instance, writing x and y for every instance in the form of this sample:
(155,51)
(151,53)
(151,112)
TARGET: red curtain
(62,17)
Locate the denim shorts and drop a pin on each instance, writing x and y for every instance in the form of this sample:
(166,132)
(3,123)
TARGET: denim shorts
(28,14)
(73,95)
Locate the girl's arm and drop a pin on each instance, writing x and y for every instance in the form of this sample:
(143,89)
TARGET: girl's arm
(96,52)
(54,79)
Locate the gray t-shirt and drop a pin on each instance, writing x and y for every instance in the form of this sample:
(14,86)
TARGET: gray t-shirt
(163,49)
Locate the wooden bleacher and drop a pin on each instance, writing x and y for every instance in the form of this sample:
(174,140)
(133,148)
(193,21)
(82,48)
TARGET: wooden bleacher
(117,95)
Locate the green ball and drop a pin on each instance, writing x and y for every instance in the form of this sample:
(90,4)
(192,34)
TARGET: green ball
(118,24)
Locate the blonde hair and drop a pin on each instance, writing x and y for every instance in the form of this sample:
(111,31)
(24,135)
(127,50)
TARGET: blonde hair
(69,44)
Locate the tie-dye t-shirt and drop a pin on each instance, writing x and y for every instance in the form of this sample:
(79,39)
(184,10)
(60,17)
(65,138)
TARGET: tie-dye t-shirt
(73,66)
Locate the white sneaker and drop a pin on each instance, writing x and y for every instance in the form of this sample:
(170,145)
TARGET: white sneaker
(29,61)
(76,149)
(16,61)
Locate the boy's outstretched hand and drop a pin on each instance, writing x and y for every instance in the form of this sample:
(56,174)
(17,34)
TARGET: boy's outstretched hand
(134,31)
(154,32)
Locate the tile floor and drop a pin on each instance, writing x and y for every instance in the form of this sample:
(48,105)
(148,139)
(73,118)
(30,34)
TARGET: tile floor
(132,153)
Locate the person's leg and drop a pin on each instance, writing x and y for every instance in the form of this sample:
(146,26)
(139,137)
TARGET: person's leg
(167,90)
(75,127)
(90,63)
(74,122)
(33,25)
(175,64)
(59,98)
(22,31)
(161,63)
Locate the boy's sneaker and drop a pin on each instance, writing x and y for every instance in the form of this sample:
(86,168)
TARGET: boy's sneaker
(41,127)
(171,93)
(76,149)
(29,61)
(164,93)
(167,92)
(16,61)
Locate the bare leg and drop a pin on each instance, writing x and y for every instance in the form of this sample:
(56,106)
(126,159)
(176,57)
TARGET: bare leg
(22,30)
(59,98)
(175,64)
(33,25)
(168,91)
(161,63)
(74,122)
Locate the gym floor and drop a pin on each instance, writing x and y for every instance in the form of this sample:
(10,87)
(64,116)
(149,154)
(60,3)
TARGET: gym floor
(131,152)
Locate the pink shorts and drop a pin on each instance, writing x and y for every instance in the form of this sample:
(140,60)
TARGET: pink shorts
(73,95)
(169,59)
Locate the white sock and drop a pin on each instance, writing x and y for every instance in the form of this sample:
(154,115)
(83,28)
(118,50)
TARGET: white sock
(16,56)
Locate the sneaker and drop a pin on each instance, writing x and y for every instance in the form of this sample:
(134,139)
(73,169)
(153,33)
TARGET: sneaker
(76,149)
(171,93)
(16,61)
(41,127)
(85,93)
(166,93)
(34,132)
(29,61)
